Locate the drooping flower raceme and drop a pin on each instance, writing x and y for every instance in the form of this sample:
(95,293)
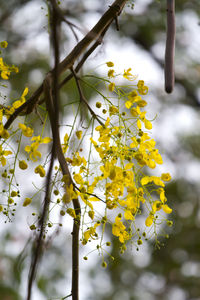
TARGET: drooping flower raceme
(125,153)
(112,163)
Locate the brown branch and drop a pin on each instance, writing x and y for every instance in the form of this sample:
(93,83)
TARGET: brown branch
(85,56)
(76,224)
(37,252)
(62,18)
(77,208)
(52,96)
(42,221)
(93,35)
(65,170)
(107,18)
(76,204)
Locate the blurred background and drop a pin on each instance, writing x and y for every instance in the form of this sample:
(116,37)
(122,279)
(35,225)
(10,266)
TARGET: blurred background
(174,271)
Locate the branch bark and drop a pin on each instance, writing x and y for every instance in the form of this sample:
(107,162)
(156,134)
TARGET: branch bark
(93,35)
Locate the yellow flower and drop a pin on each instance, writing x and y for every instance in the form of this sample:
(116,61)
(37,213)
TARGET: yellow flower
(19,102)
(147,124)
(71,212)
(134,143)
(3,44)
(78,178)
(141,103)
(3,132)
(134,112)
(23,165)
(142,89)
(157,205)
(77,160)
(33,152)
(166,209)
(147,179)
(128,75)
(79,134)
(2,154)
(149,221)
(40,140)
(6,70)
(110,64)
(166,177)
(90,233)
(128,215)
(91,214)
(40,170)
(128,104)
(65,145)
(111,87)
(113,110)
(27,131)
(69,194)
(119,230)
(111,73)
(139,125)
(27,201)
(32,149)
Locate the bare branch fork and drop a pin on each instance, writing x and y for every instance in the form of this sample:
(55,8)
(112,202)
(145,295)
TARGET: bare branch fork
(93,35)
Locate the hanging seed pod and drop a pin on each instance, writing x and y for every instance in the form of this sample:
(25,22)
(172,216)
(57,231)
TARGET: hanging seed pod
(170,47)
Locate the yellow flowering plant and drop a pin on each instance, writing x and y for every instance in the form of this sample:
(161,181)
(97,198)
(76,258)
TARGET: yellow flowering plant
(101,173)
(116,178)
(112,176)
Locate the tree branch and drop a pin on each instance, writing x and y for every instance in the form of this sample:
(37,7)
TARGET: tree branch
(53,97)
(93,35)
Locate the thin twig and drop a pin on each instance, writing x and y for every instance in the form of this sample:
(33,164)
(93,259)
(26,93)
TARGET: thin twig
(83,99)
(62,18)
(90,194)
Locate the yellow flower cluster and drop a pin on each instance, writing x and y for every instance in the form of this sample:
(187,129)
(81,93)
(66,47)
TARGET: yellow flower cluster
(33,148)
(5,69)
(114,170)
(125,149)
(4,153)
(13,139)
(3,132)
